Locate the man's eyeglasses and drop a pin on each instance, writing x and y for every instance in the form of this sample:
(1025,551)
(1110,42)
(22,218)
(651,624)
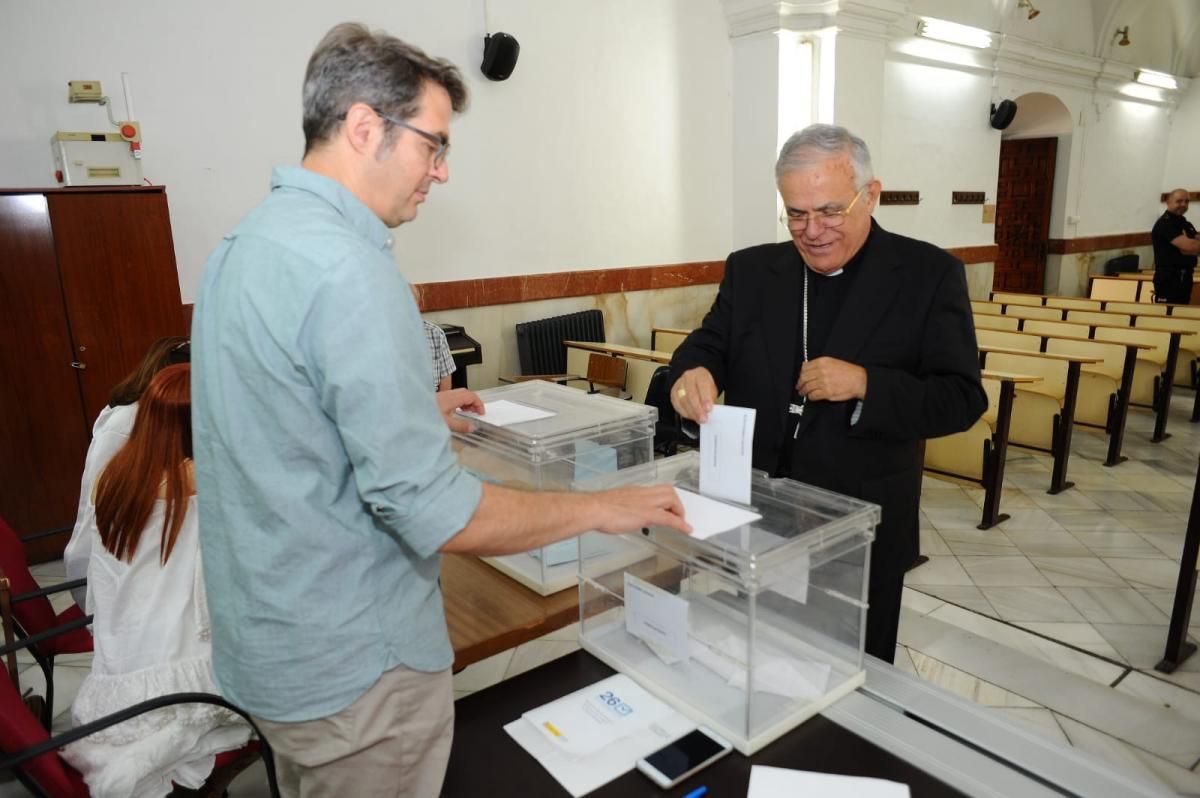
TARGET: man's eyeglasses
(797,221)
(440,142)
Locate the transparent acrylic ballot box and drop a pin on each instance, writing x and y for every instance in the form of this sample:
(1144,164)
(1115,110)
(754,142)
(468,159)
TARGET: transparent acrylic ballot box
(588,435)
(750,631)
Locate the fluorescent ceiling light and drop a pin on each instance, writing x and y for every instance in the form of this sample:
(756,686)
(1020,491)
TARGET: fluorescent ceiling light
(954,33)
(1158,79)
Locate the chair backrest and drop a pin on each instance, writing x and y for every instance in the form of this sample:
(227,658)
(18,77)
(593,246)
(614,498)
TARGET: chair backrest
(1070,329)
(34,615)
(1114,288)
(607,370)
(1008,339)
(1034,312)
(1139,335)
(1107,318)
(1052,371)
(1186,312)
(1112,355)
(1136,308)
(1012,298)
(984,321)
(1072,302)
(20,729)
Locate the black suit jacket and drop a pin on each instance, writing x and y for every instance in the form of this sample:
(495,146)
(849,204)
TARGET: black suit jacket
(906,319)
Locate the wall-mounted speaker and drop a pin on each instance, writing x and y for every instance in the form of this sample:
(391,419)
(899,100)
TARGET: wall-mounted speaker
(1002,114)
(500,53)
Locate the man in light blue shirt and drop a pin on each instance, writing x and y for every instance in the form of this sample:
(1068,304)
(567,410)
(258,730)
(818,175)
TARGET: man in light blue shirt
(326,483)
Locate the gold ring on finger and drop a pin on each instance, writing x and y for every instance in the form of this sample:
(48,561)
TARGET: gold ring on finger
(682,392)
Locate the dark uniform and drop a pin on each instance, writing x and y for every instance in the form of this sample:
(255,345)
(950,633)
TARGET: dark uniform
(1172,268)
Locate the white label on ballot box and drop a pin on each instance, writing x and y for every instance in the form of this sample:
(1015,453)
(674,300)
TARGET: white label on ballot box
(656,617)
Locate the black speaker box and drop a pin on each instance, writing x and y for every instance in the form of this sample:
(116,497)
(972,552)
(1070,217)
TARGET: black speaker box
(1002,114)
(500,53)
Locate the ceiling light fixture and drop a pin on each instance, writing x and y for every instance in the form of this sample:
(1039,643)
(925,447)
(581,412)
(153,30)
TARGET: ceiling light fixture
(1028,4)
(1124,34)
(1159,80)
(954,33)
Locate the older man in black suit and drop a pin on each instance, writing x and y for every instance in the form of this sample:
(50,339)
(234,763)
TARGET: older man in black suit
(852,343)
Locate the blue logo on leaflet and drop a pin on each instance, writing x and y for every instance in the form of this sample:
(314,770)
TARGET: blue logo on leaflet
(610,700)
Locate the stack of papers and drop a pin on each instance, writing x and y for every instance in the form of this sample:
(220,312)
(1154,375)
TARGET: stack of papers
(594,735)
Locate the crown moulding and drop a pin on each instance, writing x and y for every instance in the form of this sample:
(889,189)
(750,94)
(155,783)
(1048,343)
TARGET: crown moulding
(871,18)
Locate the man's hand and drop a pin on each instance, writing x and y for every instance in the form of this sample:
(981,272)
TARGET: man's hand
(456,399)
(828,379)
(630,509)
(694,394)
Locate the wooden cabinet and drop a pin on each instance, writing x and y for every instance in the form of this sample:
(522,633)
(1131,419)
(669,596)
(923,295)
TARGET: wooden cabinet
(87,282)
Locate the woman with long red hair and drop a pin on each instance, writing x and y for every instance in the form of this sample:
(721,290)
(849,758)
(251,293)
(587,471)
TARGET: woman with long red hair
(146,590)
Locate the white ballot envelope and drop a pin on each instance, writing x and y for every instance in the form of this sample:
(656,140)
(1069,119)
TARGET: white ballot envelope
(726,450)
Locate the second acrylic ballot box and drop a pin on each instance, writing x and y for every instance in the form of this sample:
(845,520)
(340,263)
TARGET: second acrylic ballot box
(749,631)
(578,435)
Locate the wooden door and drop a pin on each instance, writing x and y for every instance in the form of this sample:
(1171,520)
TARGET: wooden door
(1023,213)
(43,430)
(120,284)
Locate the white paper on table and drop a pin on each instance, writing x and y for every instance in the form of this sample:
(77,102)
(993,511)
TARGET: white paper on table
(726,450)
(656,617)
(503,413)
(768,782)
(710,517)
(587,720)
(579,776)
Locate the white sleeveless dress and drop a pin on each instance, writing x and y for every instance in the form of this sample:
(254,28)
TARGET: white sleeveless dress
(151,634)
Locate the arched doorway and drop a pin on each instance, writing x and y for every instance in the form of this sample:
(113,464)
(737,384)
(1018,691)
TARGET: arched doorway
(1028,154)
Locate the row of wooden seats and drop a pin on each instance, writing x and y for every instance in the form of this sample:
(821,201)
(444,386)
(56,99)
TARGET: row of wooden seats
(1173,346)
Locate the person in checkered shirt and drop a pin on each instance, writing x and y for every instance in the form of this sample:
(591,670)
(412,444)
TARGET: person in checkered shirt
(443,363)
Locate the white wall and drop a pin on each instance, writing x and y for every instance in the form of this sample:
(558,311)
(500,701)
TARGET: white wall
(1182,168)
(609,146)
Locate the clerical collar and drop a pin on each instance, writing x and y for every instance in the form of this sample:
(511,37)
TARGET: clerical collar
(830,274)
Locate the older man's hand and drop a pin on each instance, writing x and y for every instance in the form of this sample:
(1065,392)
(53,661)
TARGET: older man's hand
(827,379)
(694,394)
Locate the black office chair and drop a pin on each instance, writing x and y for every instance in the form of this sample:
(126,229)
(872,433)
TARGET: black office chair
(668,430)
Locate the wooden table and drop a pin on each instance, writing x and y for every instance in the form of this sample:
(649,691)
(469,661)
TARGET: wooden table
(487,612)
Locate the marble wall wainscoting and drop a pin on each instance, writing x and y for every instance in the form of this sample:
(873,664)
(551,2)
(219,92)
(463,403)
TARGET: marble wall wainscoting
(628,317)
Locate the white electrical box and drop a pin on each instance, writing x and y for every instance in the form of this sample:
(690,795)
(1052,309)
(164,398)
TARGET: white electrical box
(94,159)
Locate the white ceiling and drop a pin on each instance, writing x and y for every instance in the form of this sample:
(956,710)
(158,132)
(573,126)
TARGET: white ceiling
(1164,34)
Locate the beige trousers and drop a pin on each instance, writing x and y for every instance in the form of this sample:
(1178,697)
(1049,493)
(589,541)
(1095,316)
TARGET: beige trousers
(393,741)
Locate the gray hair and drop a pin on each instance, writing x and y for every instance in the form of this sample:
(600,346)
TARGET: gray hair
(352,64)
(816,143)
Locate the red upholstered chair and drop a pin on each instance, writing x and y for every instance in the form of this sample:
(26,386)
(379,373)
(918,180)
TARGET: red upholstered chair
(34,615)
(29,752)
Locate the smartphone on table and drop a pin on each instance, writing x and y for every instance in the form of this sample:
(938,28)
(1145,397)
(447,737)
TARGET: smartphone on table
(673,763)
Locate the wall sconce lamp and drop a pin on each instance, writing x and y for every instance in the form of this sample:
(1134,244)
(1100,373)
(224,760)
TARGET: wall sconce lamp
(1028,4)
(1124,34)
(1159,80)
(954,33)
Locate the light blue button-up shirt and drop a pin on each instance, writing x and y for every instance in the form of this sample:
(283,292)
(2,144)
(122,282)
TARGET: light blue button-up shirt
(324,473)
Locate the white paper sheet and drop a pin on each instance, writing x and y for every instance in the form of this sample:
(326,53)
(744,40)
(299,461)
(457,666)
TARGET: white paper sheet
(656,617)
(768,782)
(503,413)
(726,449)
(710,517)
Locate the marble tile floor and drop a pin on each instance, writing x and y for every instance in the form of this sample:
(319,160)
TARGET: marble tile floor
(1054,618)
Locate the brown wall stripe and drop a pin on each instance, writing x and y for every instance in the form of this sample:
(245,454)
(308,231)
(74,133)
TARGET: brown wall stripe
(1070,246)
(483,291)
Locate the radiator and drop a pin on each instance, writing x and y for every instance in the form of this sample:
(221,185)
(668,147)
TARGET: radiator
(540,343)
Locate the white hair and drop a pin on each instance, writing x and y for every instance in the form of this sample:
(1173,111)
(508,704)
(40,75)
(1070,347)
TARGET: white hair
(816,143)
